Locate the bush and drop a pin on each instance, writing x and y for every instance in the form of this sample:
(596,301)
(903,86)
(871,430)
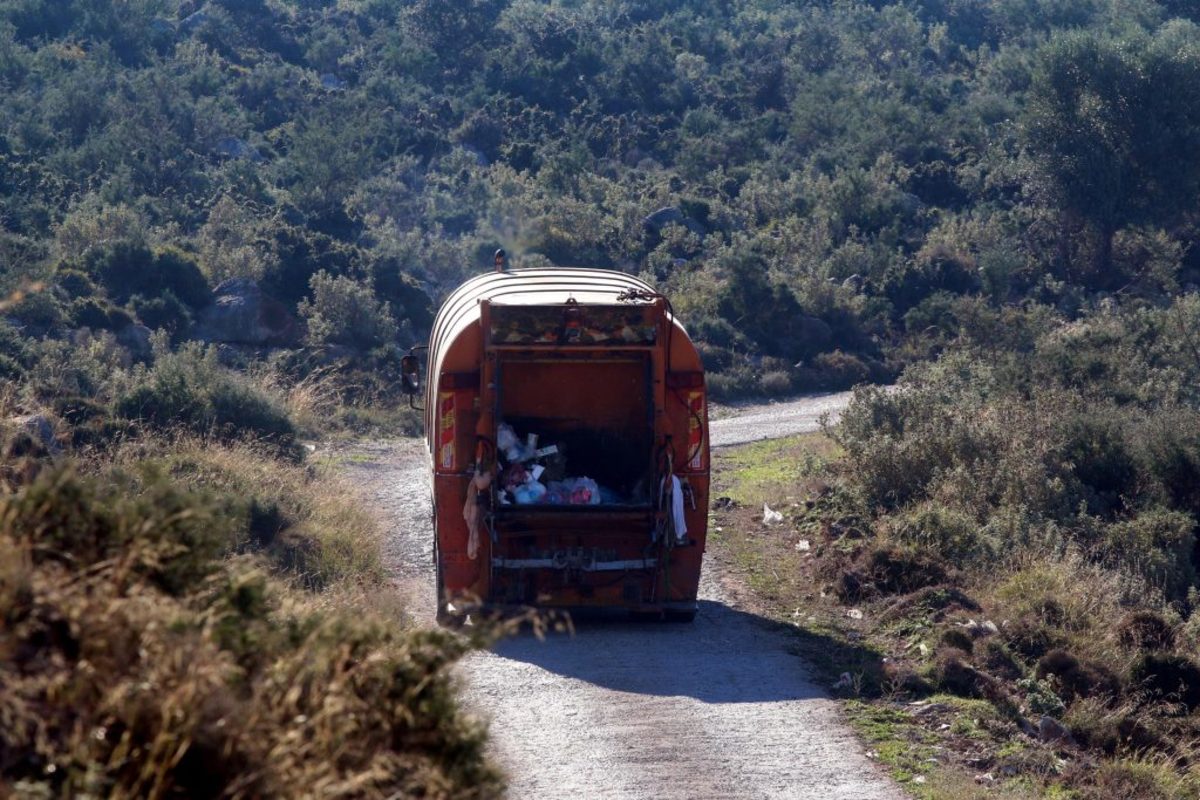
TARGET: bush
(1095,445)
(126,270)
(952,535)
(1167,678)
(165,312)
(835,371)
(190,390)
(139,663)
(345,312)
(775,384)
(1146,630)
(307,524)
(1168,448)
(76,284)
(1077,677)
(38,313)
(94,313)
(1140,779)
(1158,545)
(14,346)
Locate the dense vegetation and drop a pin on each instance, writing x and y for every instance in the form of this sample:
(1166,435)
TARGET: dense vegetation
(193,619)
(839,176)
(1016,525)
(997,558)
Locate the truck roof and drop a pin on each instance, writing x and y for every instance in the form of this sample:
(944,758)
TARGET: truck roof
(540,287)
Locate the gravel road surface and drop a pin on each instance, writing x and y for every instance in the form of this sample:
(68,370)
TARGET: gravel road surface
(752,423)
(720,708)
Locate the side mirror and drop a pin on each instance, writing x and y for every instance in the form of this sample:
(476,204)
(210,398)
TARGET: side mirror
(410,374)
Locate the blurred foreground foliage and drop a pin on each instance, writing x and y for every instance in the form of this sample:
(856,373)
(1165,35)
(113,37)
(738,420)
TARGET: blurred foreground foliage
(141,657)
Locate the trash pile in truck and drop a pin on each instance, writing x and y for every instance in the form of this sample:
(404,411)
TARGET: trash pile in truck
(530,475)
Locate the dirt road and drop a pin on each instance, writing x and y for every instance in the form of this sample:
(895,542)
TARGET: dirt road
(720,708)
(752,423)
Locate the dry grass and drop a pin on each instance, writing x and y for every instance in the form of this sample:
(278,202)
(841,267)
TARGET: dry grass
(1066,593)
(307,519)
(138,663)
(310,403)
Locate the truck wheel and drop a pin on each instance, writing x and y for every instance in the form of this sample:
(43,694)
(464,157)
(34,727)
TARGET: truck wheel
(439,586)
(444,618)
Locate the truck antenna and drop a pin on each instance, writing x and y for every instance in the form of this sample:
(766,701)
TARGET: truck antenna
(500,254)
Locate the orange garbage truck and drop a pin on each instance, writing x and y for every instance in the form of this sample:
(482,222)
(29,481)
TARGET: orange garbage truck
(566,421)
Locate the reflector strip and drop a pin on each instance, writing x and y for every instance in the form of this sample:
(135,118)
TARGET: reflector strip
(446,441)
(695,430)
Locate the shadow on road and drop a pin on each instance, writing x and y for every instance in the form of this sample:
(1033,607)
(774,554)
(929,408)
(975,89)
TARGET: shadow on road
(725,656)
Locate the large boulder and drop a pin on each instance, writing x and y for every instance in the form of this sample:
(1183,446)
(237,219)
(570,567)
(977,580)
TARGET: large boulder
(40,432)
(672,215)
(242,314)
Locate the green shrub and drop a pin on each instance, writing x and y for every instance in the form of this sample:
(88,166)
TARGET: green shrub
(13,345)
(1167,678)
(126,270)
(38,313)
(75,283)
(190,390)
(10,368)
(1146,630)
(345,312)
(97,314)
(171,536)
(164,312)
(1095,447)
(91,368)
(776,383)
(732,384)
(1168,447)
(1158,545)
(142,663)
(838,370)
(949,533)
(1140,778)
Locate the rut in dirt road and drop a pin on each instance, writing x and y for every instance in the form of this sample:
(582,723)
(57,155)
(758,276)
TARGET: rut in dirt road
(716,709)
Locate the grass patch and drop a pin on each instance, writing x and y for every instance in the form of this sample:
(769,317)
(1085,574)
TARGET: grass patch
(904,747)
(772,471)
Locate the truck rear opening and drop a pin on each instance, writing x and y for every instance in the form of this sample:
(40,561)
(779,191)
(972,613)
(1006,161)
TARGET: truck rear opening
(566,426)
(595,415)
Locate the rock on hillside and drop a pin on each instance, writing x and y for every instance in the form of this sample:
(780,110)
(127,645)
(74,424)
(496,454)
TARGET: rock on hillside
(242,314)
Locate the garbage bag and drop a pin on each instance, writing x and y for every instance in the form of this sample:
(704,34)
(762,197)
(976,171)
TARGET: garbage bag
(471,511)
(574,491)
(506,439)
(529,492)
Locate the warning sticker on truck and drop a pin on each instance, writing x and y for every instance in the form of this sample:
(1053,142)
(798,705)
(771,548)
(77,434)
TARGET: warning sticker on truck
(446,430)
(695,430)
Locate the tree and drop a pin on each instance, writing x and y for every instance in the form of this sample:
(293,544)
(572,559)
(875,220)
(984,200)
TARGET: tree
(345,312)
(1114,127)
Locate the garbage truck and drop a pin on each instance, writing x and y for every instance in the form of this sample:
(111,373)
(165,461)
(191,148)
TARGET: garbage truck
(566,423)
